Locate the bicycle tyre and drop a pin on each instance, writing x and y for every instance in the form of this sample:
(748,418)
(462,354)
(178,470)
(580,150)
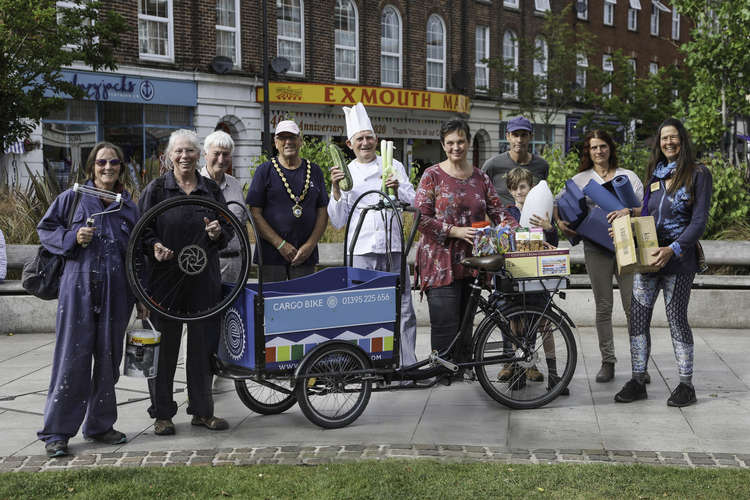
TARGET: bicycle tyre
(136,261)
(263,399)
(315,391)
(518,391)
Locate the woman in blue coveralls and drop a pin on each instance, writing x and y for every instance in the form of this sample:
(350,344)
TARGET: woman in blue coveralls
(678,196)
(94,306)
(174,229)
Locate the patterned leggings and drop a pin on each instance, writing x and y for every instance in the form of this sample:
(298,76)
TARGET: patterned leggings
(676,289)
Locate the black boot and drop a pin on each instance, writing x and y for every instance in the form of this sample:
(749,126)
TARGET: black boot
(553,378)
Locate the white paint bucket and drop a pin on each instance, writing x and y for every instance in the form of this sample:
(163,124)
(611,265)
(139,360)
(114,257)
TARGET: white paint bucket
(142,352)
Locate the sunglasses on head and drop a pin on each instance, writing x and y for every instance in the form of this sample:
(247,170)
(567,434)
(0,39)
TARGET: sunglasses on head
(114,162)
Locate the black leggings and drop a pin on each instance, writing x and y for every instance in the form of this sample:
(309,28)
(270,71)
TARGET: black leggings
(447,305)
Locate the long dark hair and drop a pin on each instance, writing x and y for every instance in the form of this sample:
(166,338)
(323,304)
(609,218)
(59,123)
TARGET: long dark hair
(586,162)
(686,166)
(118,152)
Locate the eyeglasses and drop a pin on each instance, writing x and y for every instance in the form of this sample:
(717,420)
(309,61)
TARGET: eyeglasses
(114,162)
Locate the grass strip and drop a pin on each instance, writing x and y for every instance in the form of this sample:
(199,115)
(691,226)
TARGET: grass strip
(386,479)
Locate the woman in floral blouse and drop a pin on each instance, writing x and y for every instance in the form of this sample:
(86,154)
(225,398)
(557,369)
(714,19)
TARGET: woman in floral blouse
(451,196)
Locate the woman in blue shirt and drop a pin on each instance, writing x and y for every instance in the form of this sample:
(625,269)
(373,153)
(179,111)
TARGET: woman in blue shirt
(678,196)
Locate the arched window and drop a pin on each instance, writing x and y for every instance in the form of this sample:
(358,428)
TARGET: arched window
(540,67)
(510,58)
(290,38)
(347,41)
(390,47)
(435,53)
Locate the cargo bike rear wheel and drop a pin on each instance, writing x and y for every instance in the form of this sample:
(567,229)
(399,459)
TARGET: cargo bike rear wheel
(331,387)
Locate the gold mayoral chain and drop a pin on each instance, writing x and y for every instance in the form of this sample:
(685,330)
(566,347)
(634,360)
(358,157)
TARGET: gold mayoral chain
(297,208)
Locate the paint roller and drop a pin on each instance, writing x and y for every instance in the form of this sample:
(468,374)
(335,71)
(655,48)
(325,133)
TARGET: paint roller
(102,194)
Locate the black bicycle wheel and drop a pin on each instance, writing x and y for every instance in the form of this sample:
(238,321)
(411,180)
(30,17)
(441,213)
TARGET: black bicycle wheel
(266,397)
(543,365)
(328,394)
(191,266)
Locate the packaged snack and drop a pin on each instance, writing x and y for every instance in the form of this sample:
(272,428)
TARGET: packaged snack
(504,237)
(485,239)
(523,239)
(536,239)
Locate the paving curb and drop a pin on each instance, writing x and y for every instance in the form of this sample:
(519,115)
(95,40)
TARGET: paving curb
(323,454)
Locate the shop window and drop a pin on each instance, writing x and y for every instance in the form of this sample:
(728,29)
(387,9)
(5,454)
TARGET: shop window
(435,53)
(155,30)
(609,12)
(582,9)
(228,30)
(608,68)
(634,8)
(290,40)
(540,67)
(68,136)
(675,24)
(510,58)
(482,50)
(347,41)
(390,47)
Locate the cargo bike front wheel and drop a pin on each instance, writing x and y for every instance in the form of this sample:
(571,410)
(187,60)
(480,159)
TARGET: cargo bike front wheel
(266,397)
(332,384)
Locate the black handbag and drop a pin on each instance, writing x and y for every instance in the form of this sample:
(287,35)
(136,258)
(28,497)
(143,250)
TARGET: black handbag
(41,275)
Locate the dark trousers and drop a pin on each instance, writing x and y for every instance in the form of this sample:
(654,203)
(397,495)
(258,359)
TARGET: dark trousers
(285,272)
(447,305)
(202,340)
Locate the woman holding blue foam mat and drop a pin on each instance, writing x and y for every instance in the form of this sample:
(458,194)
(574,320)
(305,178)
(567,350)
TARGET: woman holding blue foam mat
(679,198)
(599,165)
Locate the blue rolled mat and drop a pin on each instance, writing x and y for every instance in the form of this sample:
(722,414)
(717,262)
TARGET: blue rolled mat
(602,197)
(596,228)
(569,211)
(572,189)
(625,192)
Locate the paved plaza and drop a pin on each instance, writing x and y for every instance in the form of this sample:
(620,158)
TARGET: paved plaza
(459,422)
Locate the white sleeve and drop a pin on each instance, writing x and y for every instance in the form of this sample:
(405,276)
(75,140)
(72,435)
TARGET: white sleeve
(637,186)
(338,211)
(406,191)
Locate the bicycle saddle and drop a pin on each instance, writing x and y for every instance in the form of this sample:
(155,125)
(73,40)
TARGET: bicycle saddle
(489,263)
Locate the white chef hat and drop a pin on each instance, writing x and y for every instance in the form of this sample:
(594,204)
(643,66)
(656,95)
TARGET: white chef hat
(356,120)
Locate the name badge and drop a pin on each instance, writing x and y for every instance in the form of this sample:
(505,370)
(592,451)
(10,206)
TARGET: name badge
(655,186)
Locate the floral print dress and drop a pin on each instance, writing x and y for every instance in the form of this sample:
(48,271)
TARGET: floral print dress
(445,201)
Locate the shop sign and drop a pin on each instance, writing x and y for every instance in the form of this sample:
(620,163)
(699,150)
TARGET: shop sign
(349,95)
(335,125)
(115,87)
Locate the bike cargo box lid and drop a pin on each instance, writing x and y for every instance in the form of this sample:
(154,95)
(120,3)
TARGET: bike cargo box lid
(538,263)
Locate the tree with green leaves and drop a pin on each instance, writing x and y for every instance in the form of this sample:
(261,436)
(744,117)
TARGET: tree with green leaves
(718,55)
(37,39)
(546,74)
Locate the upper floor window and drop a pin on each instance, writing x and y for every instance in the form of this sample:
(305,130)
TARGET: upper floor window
(540,67)
(656,6)
(155,30)
(675,24)
(390,47)
(347,41)
(510,58)
(582,64)
(653,68)
(542,5)
(482,51)
(634,8)
(608,68)
(609,12)
(513,4)
(228,30)
(290,37)
(435,53)
(582,9)
(63,8)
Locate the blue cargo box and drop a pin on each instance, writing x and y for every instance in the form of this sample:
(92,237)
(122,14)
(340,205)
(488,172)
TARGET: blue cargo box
(343,303)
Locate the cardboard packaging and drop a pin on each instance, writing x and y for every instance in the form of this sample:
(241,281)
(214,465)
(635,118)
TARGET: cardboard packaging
(635,241)
(539,263)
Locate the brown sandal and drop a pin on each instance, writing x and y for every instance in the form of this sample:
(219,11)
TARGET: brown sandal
(212,423)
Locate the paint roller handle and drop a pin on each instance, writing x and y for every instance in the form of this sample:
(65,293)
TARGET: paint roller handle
(89,223)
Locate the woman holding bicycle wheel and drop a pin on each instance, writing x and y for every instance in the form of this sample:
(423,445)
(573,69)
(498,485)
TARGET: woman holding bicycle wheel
(194,287)
(451,196)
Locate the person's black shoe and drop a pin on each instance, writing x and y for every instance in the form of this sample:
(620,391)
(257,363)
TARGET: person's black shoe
(110,437)
(646,378)
(632,391)
(56,449)
(606,372)
(683,395)
(552,380)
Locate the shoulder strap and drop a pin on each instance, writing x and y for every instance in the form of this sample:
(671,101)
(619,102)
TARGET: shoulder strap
(72,212)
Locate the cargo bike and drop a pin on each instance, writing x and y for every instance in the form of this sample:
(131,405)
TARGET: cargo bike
(329,340)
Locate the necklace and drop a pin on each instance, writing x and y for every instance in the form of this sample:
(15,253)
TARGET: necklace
(297,208)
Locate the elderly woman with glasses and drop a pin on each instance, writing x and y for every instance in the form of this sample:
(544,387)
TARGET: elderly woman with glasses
(174,229)
(94,306)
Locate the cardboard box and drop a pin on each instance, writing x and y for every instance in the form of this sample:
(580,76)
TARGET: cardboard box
(538,263)
(635,241)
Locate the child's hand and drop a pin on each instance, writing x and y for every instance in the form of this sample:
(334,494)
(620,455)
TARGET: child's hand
(542,222)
